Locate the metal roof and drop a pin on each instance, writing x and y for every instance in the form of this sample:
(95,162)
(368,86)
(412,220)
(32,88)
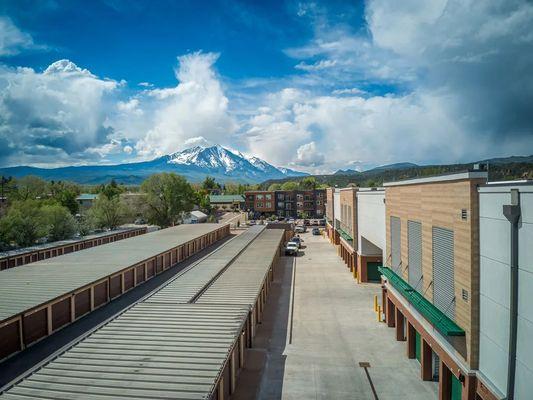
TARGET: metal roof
(241,283)
(31,285)
(186,286)
(60,243)
(226,198)
(152,351)
(87,196)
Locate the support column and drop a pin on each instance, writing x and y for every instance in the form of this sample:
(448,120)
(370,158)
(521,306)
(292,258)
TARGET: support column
(426,367)
(390,314)
(384,301)
(411,341)
(400,319)
(445,382)
(469,388)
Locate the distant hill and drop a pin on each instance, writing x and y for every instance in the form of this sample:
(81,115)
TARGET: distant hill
(508,168)
(194,163)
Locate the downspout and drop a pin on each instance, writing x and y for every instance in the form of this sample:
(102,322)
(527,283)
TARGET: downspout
(512,213)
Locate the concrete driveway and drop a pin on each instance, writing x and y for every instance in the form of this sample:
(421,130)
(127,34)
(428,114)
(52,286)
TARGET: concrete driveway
(319,325)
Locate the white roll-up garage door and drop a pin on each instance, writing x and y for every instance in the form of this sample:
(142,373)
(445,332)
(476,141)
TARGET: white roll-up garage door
(443,271)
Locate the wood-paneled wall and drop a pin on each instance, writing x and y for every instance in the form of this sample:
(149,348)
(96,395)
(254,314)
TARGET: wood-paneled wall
(440,204)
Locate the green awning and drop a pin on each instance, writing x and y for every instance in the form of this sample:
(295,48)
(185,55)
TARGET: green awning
(344,235)
(435,316)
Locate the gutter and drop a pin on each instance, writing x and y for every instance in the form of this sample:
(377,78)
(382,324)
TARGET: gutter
(512,213)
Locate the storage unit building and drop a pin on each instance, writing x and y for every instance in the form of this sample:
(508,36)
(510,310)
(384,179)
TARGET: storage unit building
(15,258)
(44,296)
(370,233)
(506,257)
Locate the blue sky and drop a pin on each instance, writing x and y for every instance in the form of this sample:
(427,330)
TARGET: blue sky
(314,85)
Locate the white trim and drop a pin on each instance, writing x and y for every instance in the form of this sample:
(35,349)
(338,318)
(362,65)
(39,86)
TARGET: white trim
(441,178)
(505,187)
(370,190)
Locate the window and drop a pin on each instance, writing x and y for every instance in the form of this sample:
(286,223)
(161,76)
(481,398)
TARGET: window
(414,255)
(260,197)
(268,204)
(443,271)
(318,212)
(268,197)
(259,204)
(318,202)
(280,204)
(280,196)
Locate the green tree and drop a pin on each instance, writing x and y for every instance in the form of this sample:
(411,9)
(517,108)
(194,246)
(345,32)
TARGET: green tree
(111,190)
(209,183)
(30,187)
(60,222)
(24,223)
(308,183)
(168,195)
(274,186)
(65,193)
(290,185)
(108,212)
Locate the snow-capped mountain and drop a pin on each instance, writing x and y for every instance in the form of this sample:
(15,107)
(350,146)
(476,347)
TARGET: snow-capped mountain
(194,163)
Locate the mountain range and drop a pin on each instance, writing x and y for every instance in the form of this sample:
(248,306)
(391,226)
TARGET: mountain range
(194,163)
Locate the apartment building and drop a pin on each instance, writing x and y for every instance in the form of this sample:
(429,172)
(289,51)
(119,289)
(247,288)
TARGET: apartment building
(431,289)
(287,203)
(506,284)
(260,203)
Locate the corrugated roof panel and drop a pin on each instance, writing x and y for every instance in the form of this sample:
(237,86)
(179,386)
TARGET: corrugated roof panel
(241,283)
(151,351)
(186,286)
(33,284)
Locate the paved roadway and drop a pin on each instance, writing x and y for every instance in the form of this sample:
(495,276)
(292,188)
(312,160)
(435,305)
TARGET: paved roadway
(334,328)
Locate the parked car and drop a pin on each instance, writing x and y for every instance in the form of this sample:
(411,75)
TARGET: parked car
(297,240)
(291,249)
(316,231)
(306,222)
(300,229)
(291,221)
(322,222)
(251,222)
(140,221)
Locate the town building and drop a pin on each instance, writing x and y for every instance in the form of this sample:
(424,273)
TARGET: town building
(287,203)
(226,202)
(86,200)
(195,217)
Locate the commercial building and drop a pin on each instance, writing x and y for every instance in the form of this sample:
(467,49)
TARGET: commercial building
(226,202)
(187,340)
(42,297)
(195,217)
(371,237)
(346,226)
(506,285)
(86,200)
(431,289)
(15,258)
(287,203)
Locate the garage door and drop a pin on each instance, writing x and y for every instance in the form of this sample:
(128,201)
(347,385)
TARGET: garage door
(414,244)
(443,271)
(396,243)
(372,271)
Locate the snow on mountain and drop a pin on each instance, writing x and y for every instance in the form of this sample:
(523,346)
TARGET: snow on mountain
(194,163)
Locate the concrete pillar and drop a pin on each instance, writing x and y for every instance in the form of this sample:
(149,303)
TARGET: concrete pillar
(400,319)
(426,367)
(390,314)
(445,382)
(411,341)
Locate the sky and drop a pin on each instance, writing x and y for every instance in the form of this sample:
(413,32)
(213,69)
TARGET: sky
(315,86)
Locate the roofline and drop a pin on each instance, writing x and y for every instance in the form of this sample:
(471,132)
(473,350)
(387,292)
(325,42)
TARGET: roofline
(441,178)
(506,186)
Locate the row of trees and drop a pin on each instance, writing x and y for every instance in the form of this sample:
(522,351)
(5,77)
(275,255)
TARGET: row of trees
(307,183)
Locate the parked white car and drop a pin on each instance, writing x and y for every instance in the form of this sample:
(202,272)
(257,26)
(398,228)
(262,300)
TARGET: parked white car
(291,249)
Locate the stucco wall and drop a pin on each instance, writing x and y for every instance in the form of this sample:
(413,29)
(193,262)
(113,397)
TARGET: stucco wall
(495,287)
(371,218)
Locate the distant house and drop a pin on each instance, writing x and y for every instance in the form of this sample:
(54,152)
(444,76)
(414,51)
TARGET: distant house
(227,201)
(86,200)
(195,217)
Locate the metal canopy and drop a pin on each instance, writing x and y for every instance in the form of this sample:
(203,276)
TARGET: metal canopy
(436,317)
